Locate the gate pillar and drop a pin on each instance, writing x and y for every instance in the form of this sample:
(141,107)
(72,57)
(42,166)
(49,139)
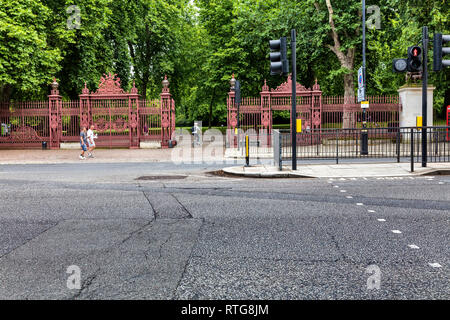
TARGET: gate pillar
(266,116)
(232,115)
(85,108)
(133,118)
(54,109)
(316,107)
(166,102)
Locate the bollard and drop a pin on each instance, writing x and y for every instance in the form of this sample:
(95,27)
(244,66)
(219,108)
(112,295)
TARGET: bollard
(44,145)
(247,152)
(412,150)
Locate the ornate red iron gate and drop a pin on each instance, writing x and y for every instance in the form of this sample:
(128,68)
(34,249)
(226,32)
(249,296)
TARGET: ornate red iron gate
(113,112)
(317,112)
(257,113)
(120,119)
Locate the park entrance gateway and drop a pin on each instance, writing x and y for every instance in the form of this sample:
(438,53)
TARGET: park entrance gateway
(121,119)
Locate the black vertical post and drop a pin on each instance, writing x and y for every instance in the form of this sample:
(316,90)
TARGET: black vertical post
(412,150)
(294,98)
(424,96)
(237,97)
(364,133)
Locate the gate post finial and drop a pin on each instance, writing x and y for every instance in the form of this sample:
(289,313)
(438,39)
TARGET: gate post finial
(316,86)
(85,89)
(55,86)
(165,84)
(232,83)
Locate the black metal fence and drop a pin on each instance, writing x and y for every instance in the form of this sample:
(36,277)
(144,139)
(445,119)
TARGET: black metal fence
(398,144)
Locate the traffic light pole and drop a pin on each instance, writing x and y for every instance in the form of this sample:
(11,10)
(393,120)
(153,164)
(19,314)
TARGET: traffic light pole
(364,133)
(294,99)
(424,96)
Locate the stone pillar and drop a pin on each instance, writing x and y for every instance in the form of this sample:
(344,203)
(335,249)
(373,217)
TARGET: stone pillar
(411,100)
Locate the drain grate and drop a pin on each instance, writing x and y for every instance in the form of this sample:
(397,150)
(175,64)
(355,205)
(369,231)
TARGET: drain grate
(150,178)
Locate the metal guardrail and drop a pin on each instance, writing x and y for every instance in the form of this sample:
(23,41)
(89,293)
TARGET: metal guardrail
(335,144)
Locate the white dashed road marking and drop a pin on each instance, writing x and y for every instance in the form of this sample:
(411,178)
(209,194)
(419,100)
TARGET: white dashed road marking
(396,231)
(349,197)
(371,211)
(435,265)
(381,220)
(360,204)
(343,191)
(413,246)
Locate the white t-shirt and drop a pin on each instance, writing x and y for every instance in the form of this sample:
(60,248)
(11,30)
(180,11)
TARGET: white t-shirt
(91,137)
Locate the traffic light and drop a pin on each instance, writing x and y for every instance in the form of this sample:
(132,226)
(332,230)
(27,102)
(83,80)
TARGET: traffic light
(414,61)
(439,51)
(237,90)
(279,64)
(400,65)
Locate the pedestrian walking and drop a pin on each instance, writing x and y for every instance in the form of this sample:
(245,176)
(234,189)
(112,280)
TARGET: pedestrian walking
(83,143)
(196,131)
(90,139)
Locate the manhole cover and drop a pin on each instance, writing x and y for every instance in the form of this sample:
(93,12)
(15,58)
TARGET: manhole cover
(147,178)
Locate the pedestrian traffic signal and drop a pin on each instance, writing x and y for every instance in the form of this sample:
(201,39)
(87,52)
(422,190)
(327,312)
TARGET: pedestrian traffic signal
(414,61)
(439,51)
(279,64)
(400,65)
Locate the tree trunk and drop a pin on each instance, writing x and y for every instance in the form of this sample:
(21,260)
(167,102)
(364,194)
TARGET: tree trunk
(349,118)
(211,108)
(347,61)
(5,92)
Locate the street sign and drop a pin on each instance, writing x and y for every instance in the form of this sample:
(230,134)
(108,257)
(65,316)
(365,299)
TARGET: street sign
(364,104)
(361,86)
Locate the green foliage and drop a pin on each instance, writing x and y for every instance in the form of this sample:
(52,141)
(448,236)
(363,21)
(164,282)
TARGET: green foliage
(199,44)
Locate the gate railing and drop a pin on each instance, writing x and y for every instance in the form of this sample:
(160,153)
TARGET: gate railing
(121,119)
(393,143)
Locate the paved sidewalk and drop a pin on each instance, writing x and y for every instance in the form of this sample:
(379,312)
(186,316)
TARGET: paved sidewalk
(338,171)
(71,156)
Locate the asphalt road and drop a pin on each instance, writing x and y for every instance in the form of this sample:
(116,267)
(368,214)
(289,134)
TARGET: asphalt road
(209,237)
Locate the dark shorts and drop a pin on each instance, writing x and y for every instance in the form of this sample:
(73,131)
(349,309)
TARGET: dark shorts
(83,146)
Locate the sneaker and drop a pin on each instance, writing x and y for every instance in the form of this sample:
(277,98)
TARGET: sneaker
(91,156)
(82,158)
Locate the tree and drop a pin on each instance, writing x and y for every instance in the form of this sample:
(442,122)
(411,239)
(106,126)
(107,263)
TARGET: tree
(27,61)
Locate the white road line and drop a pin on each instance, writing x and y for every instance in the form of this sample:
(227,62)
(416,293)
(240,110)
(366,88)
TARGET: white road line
(343,191)
(336,186)
(381,220)
(349,197)
(396,231)
(371,211)
(435,265)
(360,204)
(413,246)
(441,183)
